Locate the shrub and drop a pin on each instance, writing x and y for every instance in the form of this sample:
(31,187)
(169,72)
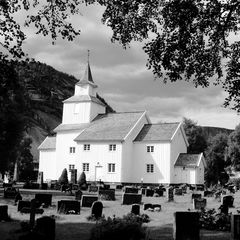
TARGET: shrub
(64,177)
(128,228)
(82,179)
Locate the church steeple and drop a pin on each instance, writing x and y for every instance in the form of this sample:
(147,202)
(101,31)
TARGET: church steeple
(87,77)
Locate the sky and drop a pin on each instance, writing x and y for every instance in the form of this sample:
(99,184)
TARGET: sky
(122,76)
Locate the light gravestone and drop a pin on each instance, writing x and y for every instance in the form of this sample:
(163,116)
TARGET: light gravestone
(235,226)
(97,208)
(186,226)
(199,204)
(88,200)
(170,194)
(40,179)
(135,209)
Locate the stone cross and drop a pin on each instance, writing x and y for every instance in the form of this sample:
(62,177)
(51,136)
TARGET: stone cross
(32,213)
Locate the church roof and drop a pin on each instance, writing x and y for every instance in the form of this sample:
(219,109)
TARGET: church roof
(157,132)
(66,127)
(48,143)
(87,77)
(84,98)
(188,160)
(110,127)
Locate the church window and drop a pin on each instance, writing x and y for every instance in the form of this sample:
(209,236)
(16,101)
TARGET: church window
(72,150)
(71,167)
(86,147)
(76,108)
(85,167)
(112,147)
(111,167)
(150,148)
(150,168)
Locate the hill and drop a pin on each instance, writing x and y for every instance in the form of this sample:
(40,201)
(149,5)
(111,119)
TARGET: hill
(46,88)
(213,131)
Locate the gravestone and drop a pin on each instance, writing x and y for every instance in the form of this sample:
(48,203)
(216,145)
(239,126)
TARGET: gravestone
(149,192)
(143,191)
(170,194)
(131,190)
(45,227)
(88,200)
(73,176)
(199,204)
(22,204)
(159,192)
(97,208)
(135,209)
(43,198)
(40,179)
(107,194)
(146,206)
(10,192)
(235,226)
(68,207)
(228,200)
(119,187)
(178,191)
(3,212)
(196,196)
(224,209)
(186,226)
(93,188)
(208,193)
(131,198)
(78,195)
(200,187)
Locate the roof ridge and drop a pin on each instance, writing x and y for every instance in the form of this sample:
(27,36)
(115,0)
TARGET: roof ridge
(162,123)
(128,112)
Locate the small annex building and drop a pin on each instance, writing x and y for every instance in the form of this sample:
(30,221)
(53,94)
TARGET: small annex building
(119,147)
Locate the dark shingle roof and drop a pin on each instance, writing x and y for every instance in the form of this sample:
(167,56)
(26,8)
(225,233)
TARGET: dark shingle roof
(48,143)
(187,160)
(84,98)
(66,127)
(87,77)
(157,132)
(110,127)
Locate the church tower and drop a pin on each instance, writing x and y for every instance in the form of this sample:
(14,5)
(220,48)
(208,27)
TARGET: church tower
(84,105)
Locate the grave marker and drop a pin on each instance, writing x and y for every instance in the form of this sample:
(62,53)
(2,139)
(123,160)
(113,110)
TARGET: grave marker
(227,200)
(235,226)
(149,192)
(224,209)
(131,198)
(40,179)
(97,208)
(45,227)
(88,200)
(186,226)
(68,207)
(93,188)
(107,194)
(146,206)
(178,191)
(44,198)
(170,194)
(73,176)
(159,192)
(135,209)
(3,212)
(196,196)
(78,195)
(199,204)
(131,190)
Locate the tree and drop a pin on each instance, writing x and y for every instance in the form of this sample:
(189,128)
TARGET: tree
(234,148)
(64,177)
(195,136)
(216,160)
(82,179)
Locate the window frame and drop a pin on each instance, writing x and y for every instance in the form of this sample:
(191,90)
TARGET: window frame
(71,167)
(150,148)
(112,147)
(111,167)
(72,150)
(86,147)
(85,167)
(150,168)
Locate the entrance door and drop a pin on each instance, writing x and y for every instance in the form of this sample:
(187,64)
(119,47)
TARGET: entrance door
(98,173)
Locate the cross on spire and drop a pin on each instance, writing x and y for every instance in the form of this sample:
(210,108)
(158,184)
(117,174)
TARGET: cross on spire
(88,55)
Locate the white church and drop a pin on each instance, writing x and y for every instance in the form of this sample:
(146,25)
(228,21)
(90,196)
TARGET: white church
(121,147)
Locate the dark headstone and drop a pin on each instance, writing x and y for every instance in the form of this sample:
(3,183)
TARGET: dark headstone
(78,195)
(97,208)
(44,198)
(149,192)
(199,204)
(88,200)
(228,200)
(93,188)
(196,196)
(143,191)
(186,226)
(68,207)
(159,192)
(135,209)
(146,206)
(73,176)
(22,204)
(178,191)
(224,209)
(131,198)
(235,227)
(200,187)
(28,210)
(44,186)
(106,186)
(208,193)
(10,192)
(3,212)
(170,194)
(45,227)
(131,190)
(107,194)
(119,187)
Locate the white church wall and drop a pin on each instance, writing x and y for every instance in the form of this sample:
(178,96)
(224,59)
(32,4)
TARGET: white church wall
(75,113)
(85,90)
(160,158)
(200,174)
(98,158)
(128,166)
(178,145)
(48,164)
(185,175)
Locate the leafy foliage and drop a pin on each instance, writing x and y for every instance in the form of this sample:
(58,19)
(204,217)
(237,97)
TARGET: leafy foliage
(129,227)
(64,177)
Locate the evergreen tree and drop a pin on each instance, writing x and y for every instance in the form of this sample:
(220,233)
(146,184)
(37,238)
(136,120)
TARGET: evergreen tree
(82,179)
(64,177)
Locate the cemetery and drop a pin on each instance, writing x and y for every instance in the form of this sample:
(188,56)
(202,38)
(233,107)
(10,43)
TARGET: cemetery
(73,215)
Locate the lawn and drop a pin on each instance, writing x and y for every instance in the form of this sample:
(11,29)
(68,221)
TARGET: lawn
(75,227)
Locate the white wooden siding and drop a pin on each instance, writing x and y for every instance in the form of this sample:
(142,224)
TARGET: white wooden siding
(48,164)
